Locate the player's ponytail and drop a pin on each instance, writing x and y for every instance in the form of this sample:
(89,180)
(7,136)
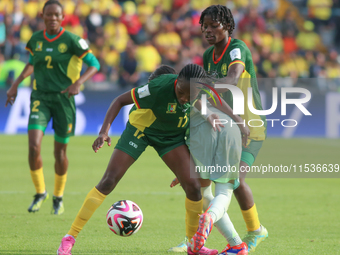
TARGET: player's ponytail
(162,70)
(192,71)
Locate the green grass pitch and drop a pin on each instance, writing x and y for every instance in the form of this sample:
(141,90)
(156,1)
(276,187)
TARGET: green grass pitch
(301,215)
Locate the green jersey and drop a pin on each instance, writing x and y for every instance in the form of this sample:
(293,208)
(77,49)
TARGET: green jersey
(156,111)
(57,62)
(237,52)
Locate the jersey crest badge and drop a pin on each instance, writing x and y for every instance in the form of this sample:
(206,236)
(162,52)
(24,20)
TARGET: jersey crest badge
(224,69)
(39,46)
(62,47)
(171,108)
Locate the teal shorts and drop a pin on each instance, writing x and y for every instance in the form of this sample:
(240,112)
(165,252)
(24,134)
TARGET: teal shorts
(250,152)
(56,106)
(134,142)
(216,154)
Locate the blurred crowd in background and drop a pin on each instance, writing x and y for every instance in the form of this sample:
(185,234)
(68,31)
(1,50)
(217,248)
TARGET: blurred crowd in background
(288,39)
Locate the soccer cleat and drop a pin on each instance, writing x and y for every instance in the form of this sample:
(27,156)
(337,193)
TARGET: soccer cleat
(204,228)
(241,249)
(66,245)
(203,251)
(57,206)
(254,238)
(182,247)
(37,201)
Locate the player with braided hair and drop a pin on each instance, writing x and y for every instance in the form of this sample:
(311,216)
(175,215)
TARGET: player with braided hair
(164,69)
(208,148)
(230,62)
(159,118)
(219,13)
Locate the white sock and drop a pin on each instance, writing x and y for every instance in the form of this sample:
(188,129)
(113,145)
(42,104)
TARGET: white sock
(207,196)
(227,229)
(221,201)
(219,207)
(224,224)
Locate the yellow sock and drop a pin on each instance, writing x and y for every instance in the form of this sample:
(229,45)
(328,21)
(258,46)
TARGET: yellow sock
(59,185)
(92,201)
(193,210)
(38,180)
(251,218)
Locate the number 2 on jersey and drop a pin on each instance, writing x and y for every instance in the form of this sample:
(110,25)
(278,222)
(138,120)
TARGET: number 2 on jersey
(49,60)
(181,120)
(36,103)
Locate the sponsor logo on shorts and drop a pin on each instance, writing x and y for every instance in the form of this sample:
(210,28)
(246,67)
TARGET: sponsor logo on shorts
(133,144)
(34,116)
(69,129)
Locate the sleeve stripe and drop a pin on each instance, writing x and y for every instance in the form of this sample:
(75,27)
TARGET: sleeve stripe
(237,62)
(30,51)
(133,95)
(85,53)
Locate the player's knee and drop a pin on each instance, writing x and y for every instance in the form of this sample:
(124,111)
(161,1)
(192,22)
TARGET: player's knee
(242,182)
(242,187)
(60,155)
(107,184)
(34,149)
(193,189)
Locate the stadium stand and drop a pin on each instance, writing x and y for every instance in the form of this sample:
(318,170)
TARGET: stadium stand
(294,39)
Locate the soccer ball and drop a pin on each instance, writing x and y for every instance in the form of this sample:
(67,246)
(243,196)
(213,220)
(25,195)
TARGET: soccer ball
(124,218)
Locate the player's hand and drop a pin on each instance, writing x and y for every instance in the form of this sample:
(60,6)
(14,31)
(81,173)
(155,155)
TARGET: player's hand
(174,182)
(245,133)
(99,142)
(11,95)
(72,90)
(213,119)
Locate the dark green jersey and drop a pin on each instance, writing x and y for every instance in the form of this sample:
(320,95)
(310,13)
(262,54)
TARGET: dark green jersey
(57,62)
(156,111)
(236,51)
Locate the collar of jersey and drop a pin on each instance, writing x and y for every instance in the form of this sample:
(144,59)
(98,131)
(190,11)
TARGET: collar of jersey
(225,48)
(54,37)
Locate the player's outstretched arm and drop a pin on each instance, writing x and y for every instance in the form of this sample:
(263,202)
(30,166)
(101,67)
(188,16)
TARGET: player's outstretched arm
(13,90)
(111,114)
(234,73)
(74,88)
